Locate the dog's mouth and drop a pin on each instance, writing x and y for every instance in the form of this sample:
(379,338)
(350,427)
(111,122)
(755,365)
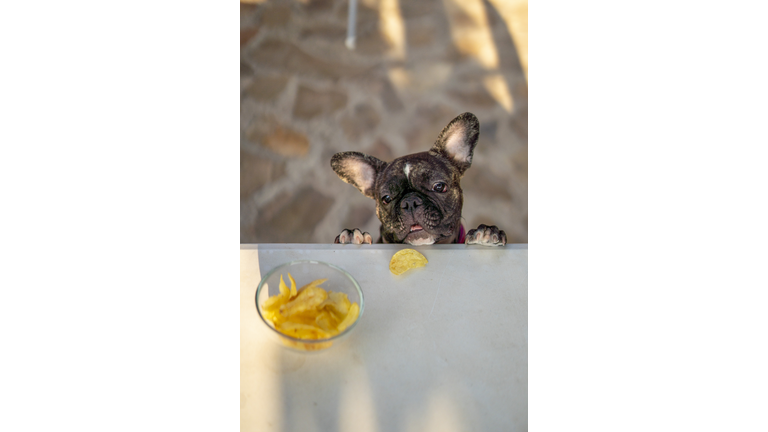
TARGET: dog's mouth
(417,236)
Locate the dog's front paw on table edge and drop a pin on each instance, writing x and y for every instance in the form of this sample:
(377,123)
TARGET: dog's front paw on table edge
(354,236)
(486,235)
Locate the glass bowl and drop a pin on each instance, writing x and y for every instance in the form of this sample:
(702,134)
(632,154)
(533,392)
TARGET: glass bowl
(303,273)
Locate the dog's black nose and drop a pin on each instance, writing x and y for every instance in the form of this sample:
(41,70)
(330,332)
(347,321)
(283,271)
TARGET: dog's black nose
(410,202)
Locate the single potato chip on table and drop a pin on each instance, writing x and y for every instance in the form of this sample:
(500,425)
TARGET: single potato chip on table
(405,260)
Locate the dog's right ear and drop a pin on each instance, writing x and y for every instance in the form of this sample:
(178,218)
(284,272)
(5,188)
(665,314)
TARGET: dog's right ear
(358,169)
(457,141)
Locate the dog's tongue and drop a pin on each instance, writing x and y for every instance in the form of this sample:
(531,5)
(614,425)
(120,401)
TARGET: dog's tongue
(416,227)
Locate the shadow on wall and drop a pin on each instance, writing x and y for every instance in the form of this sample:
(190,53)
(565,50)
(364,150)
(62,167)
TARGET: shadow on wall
(417,64)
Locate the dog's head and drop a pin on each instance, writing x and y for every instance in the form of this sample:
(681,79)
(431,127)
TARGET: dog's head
(418,197)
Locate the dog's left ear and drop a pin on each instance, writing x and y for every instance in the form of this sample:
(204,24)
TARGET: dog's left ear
(457,141)
(359,170)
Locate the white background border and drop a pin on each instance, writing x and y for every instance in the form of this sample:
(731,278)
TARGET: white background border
(119,179)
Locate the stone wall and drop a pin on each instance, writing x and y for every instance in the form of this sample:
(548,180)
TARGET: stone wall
(416,65)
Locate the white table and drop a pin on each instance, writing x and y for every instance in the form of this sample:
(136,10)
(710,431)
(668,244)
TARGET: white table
(442,348)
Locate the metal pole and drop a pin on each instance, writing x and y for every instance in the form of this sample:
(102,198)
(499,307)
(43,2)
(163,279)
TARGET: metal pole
(351,19)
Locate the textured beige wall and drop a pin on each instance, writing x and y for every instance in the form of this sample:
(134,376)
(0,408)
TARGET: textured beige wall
(416,65)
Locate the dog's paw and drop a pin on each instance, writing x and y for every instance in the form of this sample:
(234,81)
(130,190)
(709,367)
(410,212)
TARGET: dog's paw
(353,236)
(487,236)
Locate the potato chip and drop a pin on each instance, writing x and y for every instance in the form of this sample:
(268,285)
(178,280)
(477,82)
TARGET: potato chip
(337,302)
(307,299)
(328,322)
(293,285)
(273,303)
(308,317)
(278,300)
(284,291)
(303,331)
(314,283)
(274,317)
(405,260)
(309,312)
(354,310)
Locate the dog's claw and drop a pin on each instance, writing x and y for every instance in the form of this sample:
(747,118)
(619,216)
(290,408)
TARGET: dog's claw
(486,236)
(354,237)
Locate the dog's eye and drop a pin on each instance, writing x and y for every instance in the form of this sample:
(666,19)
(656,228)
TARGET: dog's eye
(386,199)
(440,187)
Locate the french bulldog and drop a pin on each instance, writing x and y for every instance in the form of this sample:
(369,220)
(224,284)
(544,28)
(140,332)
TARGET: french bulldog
(418,197)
